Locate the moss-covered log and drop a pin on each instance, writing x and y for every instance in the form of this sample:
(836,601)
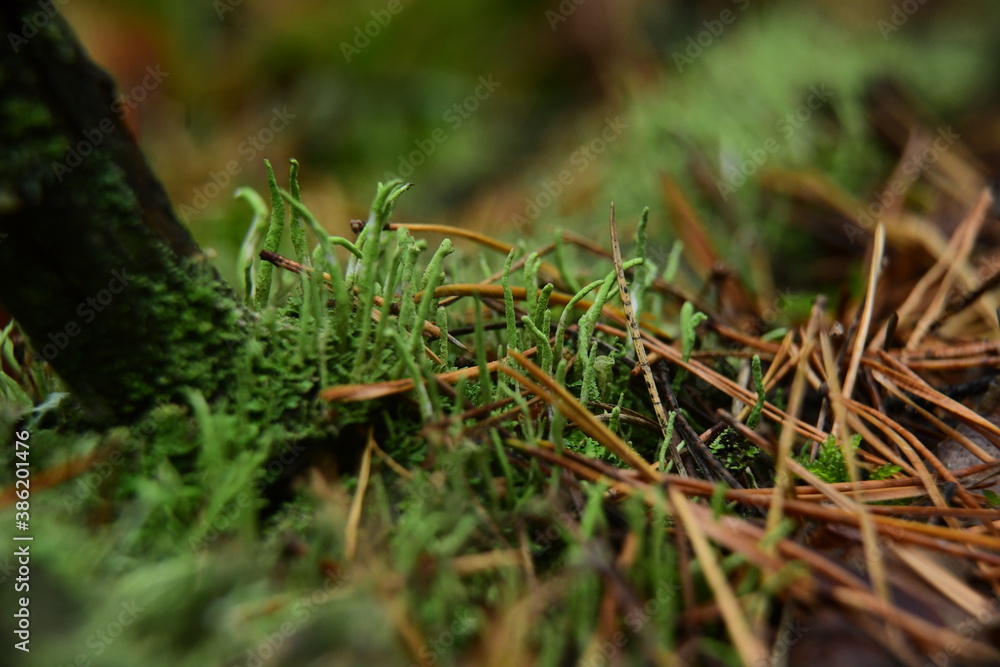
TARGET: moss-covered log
(108,285)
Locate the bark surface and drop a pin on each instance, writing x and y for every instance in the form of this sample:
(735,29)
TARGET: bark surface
(107,284)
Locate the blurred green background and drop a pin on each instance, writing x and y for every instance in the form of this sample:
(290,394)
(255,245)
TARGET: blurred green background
(513,117)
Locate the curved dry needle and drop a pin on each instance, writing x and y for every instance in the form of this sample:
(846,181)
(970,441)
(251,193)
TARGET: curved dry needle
(640,350)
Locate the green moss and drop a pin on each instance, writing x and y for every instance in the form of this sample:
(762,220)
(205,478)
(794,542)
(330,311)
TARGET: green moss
(28,145)
(829,464)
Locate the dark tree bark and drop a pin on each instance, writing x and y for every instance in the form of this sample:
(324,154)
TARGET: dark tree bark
(107,284)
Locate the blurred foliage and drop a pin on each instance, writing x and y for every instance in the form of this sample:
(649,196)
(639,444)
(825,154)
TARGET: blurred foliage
(695,86)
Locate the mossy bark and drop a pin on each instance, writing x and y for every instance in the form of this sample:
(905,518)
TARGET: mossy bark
(107,284)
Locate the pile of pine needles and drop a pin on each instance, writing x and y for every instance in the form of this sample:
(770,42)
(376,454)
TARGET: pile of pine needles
(898,562)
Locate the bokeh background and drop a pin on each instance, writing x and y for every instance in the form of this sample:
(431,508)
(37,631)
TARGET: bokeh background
(517,116)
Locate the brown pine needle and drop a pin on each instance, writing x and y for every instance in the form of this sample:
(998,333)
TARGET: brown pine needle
(57,475)
(965,238)
(565,402)
(635,337)
(872,553)
(349,393)
(490,560)
(748,645)
(391,462)
(354,515)
(907,380)
(918,628)
(943,580)
(550,271)
(724,384)
(782,479)
(878,251)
